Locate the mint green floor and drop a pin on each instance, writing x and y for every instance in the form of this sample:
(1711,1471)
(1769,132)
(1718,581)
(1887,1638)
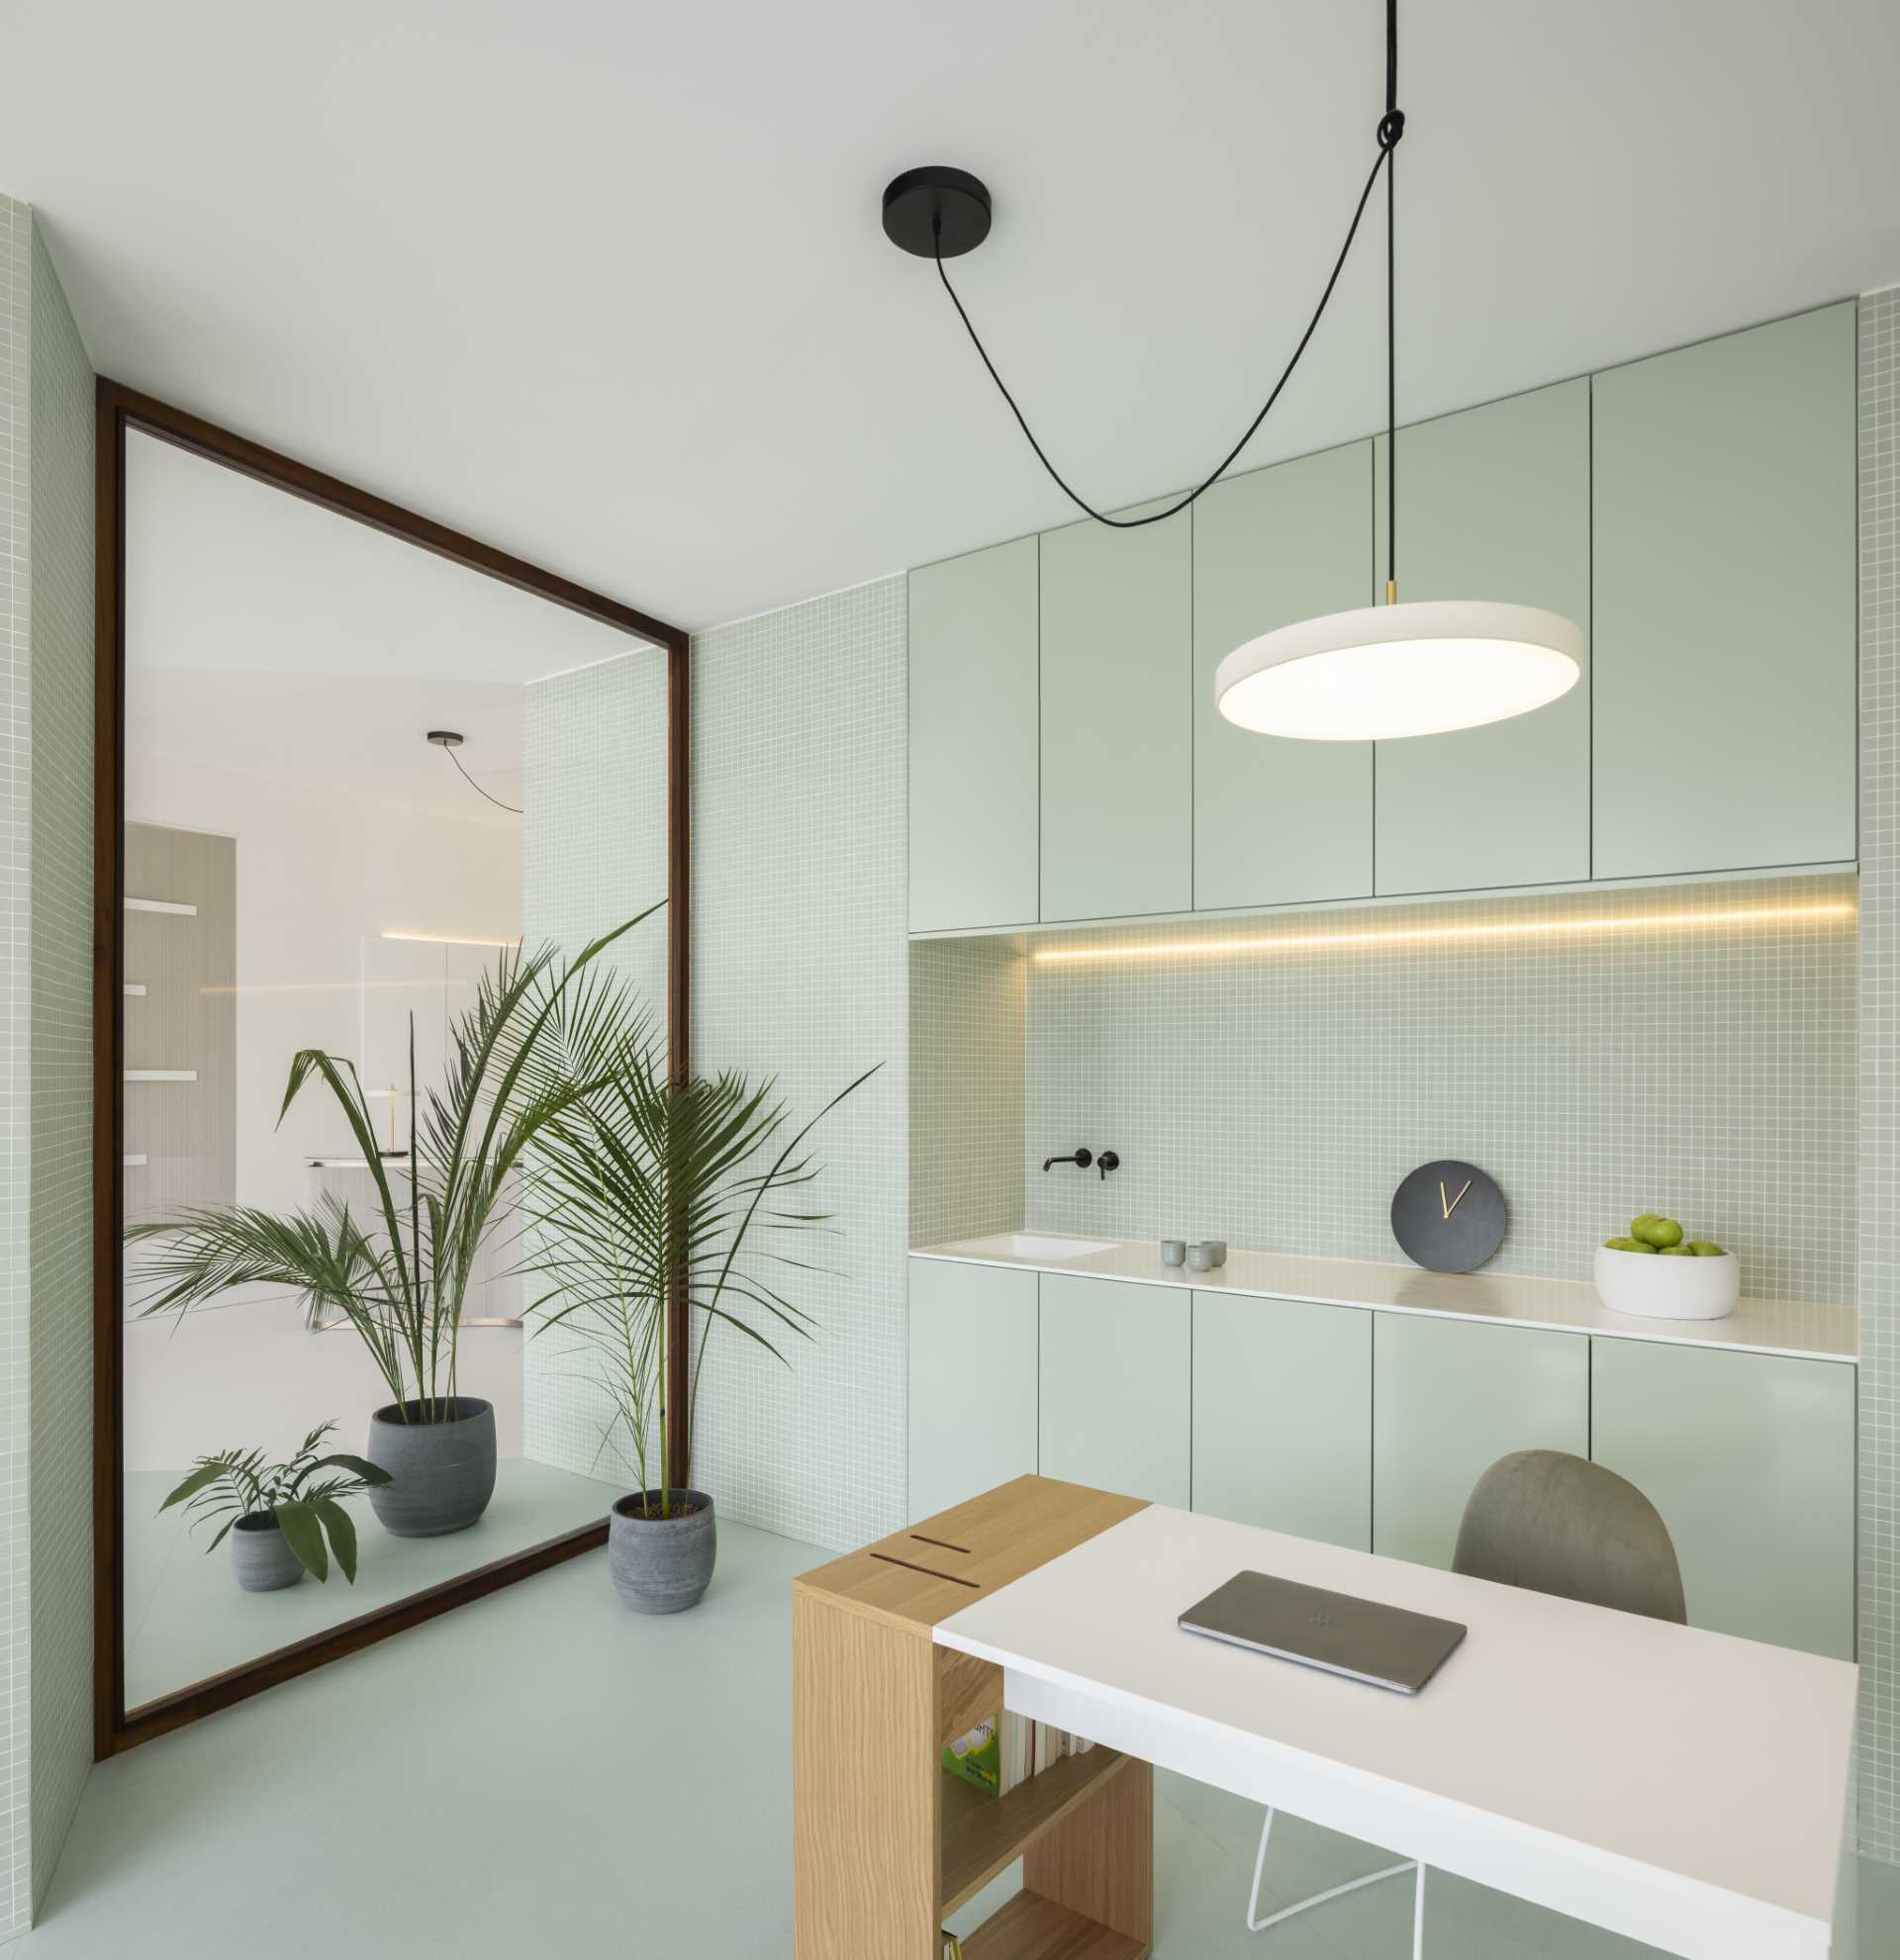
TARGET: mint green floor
(545,1774)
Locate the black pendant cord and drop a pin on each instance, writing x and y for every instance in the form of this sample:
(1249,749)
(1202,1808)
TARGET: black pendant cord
(1392,127)
(476,786)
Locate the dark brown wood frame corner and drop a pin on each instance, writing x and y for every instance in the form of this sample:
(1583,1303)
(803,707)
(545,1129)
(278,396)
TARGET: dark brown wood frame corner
(121,408)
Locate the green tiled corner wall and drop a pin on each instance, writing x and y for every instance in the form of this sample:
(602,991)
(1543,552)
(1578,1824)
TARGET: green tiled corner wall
(798,938)
(45,1062)
(1879,1139)
(800,917)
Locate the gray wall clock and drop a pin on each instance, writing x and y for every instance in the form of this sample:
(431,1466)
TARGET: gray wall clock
(1449,1216)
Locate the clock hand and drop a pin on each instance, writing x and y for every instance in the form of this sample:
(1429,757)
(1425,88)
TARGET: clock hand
(1444,1210)
(1454,1204)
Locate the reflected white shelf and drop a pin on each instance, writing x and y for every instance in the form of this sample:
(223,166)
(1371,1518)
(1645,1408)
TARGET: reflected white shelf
(133,1159)
(161,1074)
(161,905)
(134,988)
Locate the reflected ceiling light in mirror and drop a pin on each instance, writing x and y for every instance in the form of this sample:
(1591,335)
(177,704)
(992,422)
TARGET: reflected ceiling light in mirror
(446,938)
(1822,911)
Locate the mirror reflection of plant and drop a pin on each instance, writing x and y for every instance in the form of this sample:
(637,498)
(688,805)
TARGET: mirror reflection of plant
(240,1483)
(401,1277)
(640,1179)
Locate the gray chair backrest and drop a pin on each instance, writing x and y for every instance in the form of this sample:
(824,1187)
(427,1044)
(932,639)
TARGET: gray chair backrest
(1555,1524)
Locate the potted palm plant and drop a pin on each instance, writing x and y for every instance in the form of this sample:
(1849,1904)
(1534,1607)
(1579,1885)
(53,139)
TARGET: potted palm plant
(401,1277)
(642,1183)
(278,1514)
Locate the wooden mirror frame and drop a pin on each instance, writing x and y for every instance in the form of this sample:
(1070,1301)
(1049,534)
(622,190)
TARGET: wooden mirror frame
(119,409)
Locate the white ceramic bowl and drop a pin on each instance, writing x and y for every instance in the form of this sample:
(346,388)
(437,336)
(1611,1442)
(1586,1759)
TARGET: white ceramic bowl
(1656,1289)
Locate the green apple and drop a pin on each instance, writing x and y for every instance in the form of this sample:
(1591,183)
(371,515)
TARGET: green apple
(1628,1246)
(1658,1232)
(1674,1253)
(1641,1219)
(1707,1249)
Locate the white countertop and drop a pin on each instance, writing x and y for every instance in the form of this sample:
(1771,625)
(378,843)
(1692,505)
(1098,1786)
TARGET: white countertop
(1680,1787)
(1766,1327)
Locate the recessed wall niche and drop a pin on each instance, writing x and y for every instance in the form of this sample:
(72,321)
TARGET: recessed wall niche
(1689,1048)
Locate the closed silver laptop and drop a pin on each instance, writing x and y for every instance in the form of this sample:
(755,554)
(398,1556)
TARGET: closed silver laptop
(1388,1647)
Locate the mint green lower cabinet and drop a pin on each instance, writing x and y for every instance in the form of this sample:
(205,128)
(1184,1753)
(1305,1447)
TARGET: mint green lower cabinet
(973,1380)
(1450,1397)
(1283,1416)
(1115,1386)
(1750,1460)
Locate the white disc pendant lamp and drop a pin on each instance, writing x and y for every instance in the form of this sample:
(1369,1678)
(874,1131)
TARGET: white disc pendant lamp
(1384,672)
(1379,673)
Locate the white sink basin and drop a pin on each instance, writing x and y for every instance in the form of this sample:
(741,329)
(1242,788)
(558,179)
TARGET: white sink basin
(1031,1246)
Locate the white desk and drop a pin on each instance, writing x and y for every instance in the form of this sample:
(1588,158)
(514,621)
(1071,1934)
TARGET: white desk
(1674,1786)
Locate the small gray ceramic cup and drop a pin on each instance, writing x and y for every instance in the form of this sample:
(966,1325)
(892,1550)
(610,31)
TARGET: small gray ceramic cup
(1216,1250)
(1173,1251)
(1199,1259)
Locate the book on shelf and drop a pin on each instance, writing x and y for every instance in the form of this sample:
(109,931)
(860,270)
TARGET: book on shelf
(1007,1749)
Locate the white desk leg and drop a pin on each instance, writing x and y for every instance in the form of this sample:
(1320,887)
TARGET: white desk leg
(1333,1892)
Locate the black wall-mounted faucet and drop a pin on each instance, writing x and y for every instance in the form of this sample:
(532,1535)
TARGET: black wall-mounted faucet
(1081,1158)
(1107,1162)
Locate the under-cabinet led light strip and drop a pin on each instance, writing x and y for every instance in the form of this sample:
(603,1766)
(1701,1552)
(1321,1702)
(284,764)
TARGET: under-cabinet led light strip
(1425,935)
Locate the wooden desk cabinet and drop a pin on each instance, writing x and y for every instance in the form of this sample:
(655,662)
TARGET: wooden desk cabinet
(886,1844)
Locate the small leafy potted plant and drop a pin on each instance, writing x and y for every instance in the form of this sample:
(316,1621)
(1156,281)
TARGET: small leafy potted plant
(278,1514)
(640,1183)
(400,1277)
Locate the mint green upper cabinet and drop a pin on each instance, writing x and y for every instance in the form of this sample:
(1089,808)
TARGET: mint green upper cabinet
(1450,1397)
(973,1380)
(1118,746)
(973,739)
(1494,504)
(1750,1460)
(1279,822)
(1283,1416)
(1724,603)
(1114,1386)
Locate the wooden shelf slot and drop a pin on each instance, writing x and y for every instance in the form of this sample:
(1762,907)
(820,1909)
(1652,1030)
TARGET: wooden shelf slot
(983,1835)
(1032,1927)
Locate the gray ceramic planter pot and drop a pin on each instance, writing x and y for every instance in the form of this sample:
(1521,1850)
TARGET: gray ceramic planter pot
(261,1560)
(662,1564)
(442,1473)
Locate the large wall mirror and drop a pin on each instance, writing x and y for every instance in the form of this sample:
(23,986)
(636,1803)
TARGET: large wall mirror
(317,790)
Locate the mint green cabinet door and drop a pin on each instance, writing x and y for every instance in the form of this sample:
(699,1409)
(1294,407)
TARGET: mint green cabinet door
(1750,1460)
(1279,822)
(1724,603)
(1283,1416)
(1115,1386)
(1493,503)
(974,746)
(1118,740)
(973,1380)
(1450,1397)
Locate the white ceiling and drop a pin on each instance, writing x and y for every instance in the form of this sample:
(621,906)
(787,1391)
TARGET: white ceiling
(603,283)
(224,571)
